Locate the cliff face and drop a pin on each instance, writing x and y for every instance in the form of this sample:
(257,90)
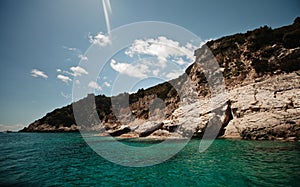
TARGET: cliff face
(269,109)
(261,74)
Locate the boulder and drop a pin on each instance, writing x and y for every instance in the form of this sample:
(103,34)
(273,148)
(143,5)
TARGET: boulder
(148,128)
(120,131)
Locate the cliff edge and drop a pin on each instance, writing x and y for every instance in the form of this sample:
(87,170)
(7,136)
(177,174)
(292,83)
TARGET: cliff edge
(262,78)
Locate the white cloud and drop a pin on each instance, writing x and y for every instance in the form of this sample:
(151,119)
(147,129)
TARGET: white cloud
(38,73)
(77,82)
(173,75)
(83,58)
(72,49)
(152,57)
(78,71)
(58,70)
(189,46)
(94,85)
(100,39)
(75,52)
(64,78)
(14,127)
(155,72)
(162,48)
(67,96)
(133,70)
(180,61)
(107,84)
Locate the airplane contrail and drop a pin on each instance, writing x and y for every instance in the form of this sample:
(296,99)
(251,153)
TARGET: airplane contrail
(107,11)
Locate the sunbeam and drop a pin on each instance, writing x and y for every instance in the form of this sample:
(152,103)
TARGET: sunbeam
(107,11)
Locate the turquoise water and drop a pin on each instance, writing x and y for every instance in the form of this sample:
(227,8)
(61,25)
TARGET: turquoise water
(64,159)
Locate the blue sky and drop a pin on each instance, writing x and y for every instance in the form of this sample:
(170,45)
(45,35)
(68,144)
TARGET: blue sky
(42,42)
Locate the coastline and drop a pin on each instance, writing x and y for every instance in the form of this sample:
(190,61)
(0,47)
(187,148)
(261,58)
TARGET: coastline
(261,100)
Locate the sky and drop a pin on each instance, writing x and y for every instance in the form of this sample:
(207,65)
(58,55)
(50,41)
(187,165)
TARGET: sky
(46,47)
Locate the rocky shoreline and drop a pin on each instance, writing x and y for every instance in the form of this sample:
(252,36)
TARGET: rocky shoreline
(266,110)
(261,99)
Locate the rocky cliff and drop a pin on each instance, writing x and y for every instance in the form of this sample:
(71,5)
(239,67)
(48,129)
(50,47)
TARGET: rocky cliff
(262,99)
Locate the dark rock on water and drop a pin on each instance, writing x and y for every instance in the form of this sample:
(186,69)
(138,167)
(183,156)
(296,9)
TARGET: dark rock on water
(119,132)
(149,128)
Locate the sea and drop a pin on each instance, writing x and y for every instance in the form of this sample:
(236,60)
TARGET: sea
(65,159)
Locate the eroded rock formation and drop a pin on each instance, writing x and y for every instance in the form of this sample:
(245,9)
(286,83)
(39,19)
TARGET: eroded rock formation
(260,98)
